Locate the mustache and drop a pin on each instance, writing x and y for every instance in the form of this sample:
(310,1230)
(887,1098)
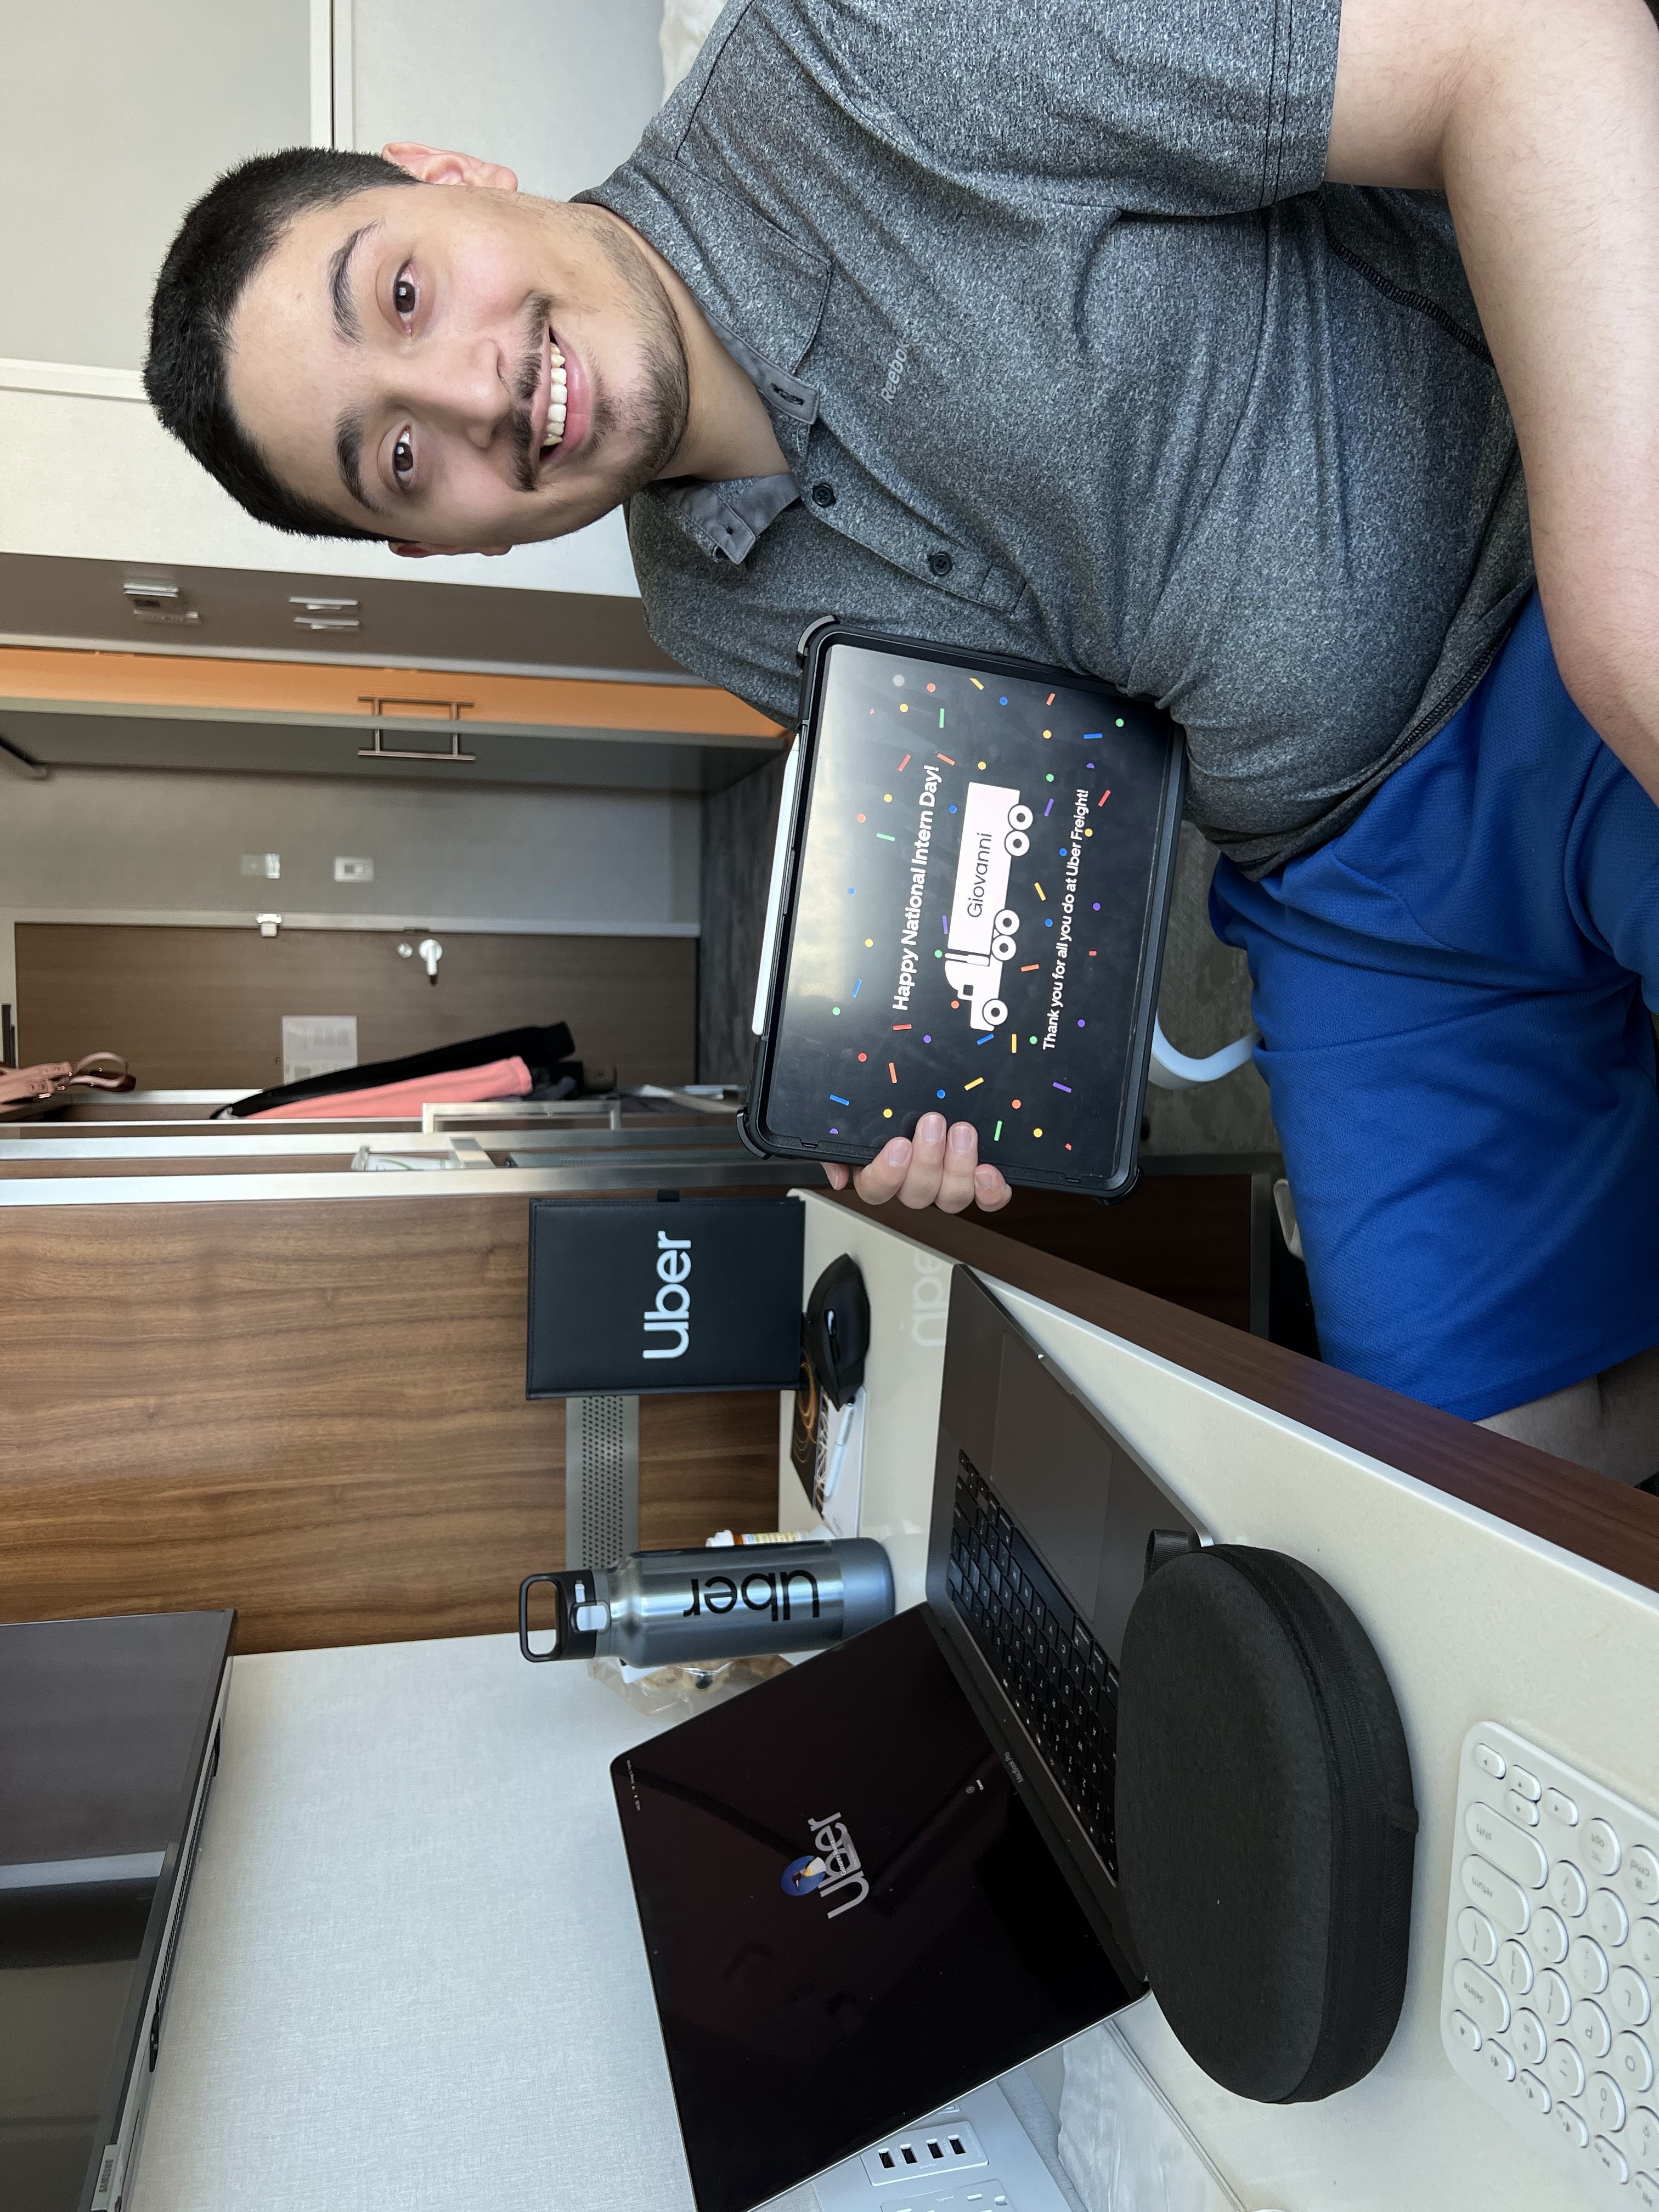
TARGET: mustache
(537,315)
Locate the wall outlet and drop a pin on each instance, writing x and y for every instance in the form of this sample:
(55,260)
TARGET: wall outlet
(350,871)
(970,2156)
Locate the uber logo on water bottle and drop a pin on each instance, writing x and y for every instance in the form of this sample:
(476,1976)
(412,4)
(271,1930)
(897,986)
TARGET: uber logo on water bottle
(613,1286)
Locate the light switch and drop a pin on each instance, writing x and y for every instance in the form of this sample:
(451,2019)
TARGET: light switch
(350,871)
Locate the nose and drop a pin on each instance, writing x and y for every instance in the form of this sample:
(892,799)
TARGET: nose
(466,387)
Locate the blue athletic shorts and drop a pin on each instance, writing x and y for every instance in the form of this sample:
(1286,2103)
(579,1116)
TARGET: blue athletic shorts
(1451,1001)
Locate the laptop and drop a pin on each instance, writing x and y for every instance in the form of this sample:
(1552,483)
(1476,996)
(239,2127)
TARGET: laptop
(875,1883)
(109,1741)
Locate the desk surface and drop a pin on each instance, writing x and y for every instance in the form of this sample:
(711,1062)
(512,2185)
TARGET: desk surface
(411,1973)
(1488,1592)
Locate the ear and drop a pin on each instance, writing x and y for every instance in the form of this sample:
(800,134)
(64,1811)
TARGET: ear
(431,164)
(407,550)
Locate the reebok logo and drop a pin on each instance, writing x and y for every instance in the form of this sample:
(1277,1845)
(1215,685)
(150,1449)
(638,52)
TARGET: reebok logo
(671,1314)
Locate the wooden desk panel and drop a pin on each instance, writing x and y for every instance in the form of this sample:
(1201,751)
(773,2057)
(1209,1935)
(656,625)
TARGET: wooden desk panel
(1584,1513)
(314,1413)
(1184,1237)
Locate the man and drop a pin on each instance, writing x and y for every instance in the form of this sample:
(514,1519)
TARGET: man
(1197,346)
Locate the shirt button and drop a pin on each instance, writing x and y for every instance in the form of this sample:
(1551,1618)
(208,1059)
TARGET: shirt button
(940,563)
(824,494)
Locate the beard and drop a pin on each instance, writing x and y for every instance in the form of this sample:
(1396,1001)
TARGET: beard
(642,428)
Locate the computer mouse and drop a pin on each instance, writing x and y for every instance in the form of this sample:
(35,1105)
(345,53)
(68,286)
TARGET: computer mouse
(838,1328)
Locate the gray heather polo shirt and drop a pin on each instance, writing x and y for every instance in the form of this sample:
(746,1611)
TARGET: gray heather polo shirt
(1072,356)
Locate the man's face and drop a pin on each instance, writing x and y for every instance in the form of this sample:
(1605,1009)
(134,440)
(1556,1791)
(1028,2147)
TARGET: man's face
(396,359)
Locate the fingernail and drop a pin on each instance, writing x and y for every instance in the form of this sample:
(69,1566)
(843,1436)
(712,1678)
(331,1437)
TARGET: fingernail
(897,1154)
(963,1137)
(931,1128)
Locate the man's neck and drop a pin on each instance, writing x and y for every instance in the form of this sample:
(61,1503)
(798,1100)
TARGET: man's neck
(728,432)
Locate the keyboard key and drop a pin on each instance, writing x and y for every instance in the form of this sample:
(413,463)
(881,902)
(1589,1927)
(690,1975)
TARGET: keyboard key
(1587,1963)
(1589,2029)
(1628,1996)
(1567,1888)
(1497,2061)
(1549,1935)
(1497,1897)
(1569,2126)
(1510,1850)
(1520,1810)
(1514,1969)
(1603,1848)
(1538,2097)
(1607,1917)
(1644,1948)
(1554,1998)
(1560,1807)
(1606,2100)
(1641,1870)
(1566,2069)
(1644,2136)
(1530,2039)
(1465,2033)
(1490,1762)
(1647,2192)
(1631,2063)
(1611,2160)
(1481,1997)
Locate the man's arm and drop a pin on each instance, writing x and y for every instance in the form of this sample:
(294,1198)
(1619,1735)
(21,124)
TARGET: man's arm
(1539,121)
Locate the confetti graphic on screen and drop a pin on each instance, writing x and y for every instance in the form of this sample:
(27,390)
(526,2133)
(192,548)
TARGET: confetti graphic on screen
(956,843)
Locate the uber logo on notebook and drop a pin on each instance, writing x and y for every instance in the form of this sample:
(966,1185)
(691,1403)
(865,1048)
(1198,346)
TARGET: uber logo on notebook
(671,1313)
(611,1289)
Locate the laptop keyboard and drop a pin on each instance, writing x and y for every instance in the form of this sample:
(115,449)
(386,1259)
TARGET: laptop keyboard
(1052,1668)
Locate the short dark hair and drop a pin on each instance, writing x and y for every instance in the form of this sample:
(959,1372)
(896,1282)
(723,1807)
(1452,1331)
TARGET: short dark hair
(223,243)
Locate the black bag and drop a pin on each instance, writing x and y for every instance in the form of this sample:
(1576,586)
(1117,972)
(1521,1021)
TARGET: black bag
(1265,1823)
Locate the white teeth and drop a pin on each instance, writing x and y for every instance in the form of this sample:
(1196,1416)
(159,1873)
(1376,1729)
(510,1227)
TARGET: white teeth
(555,415)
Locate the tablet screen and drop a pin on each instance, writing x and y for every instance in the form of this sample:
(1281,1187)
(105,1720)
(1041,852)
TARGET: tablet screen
(971,912)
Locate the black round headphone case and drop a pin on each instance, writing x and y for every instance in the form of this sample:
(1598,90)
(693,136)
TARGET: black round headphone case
(1266,1825)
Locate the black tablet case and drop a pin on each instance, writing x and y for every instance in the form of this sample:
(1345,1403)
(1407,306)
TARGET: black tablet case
(979,860)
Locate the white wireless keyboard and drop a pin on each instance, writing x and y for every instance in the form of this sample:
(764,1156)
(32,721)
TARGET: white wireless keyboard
(1552,1962)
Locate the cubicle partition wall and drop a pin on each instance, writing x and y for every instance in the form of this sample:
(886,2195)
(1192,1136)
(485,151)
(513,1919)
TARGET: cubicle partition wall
(302,1394)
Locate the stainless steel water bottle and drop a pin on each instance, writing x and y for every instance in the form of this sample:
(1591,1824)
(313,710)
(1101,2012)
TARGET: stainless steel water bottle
(653,1608)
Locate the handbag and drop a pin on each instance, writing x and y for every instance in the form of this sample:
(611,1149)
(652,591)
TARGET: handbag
(51,1078)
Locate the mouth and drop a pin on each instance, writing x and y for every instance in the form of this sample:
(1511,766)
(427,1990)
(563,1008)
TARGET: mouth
(559,417)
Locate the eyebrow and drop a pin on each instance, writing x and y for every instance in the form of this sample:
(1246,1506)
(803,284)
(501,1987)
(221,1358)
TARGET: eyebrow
(339,285)
(349,459)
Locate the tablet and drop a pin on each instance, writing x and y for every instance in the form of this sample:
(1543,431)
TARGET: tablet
(968,898)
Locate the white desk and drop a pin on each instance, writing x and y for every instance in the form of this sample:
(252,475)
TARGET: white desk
(1473,1618)
(412,1974)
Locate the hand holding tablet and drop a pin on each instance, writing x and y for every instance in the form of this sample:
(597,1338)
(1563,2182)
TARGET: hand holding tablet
(937,1168)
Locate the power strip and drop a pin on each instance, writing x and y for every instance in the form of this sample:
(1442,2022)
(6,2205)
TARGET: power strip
(970,2156)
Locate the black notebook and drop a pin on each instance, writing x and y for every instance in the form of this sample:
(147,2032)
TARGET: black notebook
(850,1914)
(968,900)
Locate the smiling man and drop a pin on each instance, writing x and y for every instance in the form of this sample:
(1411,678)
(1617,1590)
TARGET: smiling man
(1292,362)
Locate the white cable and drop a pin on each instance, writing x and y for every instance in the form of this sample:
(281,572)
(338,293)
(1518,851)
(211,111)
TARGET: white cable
(1173,1070)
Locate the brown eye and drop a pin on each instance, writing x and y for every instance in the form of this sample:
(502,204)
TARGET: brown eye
(403,459)
(402,293)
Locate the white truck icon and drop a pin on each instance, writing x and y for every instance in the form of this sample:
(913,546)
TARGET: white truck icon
(982,927)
